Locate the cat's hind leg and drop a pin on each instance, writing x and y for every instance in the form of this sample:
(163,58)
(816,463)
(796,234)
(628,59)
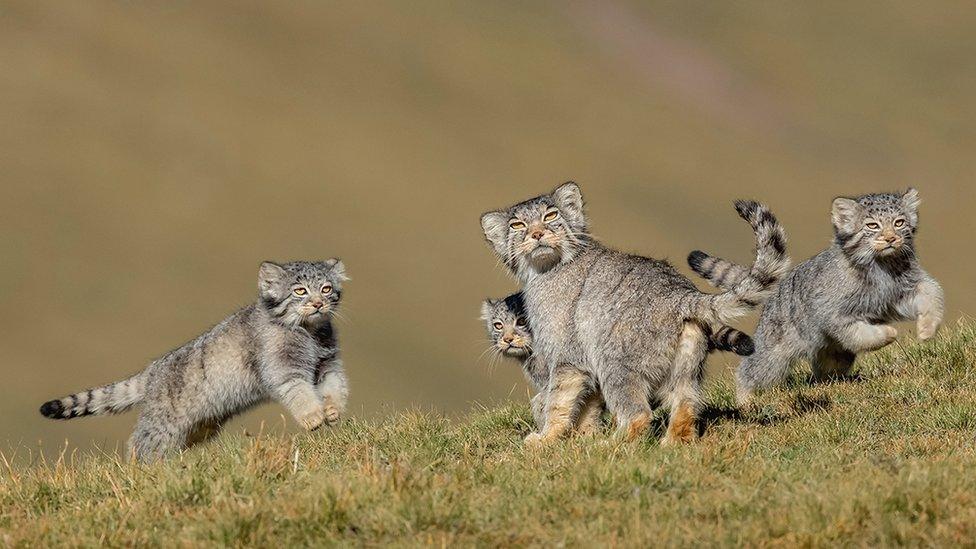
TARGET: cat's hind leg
(682,393)
(627,399)
(768,366)
(157,434)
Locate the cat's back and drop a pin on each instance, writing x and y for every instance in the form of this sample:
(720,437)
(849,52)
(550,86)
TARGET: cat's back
(812,278)
(226,349)
(620,280)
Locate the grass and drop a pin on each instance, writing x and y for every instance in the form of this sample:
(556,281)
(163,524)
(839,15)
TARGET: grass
(885,459)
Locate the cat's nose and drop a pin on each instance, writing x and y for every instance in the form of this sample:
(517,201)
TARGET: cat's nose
(890,238)
(537,234)
(318,304)
(508,339)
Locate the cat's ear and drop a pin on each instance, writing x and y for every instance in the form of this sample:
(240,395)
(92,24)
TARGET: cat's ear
(845,214)
(270,276)
(910,201)
(338,268)
(495,226)
(569,199)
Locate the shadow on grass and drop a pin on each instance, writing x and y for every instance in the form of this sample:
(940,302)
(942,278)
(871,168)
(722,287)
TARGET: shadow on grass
(799,405)
(855,377)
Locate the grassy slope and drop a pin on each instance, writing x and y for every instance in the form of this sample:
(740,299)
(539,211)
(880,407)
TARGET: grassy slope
(886,459)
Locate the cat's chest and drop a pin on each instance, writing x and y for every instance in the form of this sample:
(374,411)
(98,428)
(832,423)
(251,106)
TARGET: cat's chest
(304,349)
(878,293)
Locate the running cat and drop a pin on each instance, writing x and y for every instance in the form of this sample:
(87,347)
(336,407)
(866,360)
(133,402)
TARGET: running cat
(283,347)
(841,302)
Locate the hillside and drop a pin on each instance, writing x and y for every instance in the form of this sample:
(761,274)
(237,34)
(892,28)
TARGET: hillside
(884,459)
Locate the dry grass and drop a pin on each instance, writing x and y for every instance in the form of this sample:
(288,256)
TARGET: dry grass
(885,459)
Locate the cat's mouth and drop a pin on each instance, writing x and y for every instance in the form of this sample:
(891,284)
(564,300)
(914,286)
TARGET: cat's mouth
(317,314)
(888,249)
(543,255)
(515,350)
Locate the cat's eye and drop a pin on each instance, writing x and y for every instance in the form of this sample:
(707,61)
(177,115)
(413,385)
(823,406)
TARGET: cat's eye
(899,223)
(498,325)
(327,289)
(300,291)
(873,226)
(551,216)
(516,225)
(520,322)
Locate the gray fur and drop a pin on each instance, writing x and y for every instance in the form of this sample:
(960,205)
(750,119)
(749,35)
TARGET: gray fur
(508,331)
(632,326)
(839,303)
(283,348)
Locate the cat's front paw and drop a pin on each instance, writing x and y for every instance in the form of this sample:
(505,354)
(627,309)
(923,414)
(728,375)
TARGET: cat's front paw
(889,335)
(927,327)
(534,440)
(313,420)
(332,415)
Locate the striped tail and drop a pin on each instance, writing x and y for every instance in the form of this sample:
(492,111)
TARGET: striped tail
(745,288)
(729,339)
(114,398)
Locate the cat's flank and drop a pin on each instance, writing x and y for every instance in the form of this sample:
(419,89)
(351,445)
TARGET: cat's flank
(633,325)
(841,302)
(282,348)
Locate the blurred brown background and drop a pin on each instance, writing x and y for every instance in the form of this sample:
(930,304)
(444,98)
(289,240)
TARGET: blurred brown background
(153,153)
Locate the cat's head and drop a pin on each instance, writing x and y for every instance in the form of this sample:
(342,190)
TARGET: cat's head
(876,225)
(534,236)
(507,325)
(301,293)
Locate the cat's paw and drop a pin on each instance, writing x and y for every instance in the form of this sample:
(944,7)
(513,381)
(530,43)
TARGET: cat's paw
(313,420)
(927,327)
(332,415)
(889,335)
(534,440)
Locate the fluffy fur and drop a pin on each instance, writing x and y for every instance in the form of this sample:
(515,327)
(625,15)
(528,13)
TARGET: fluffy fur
(508,331)
(284,348)
(629,326)
(839,303)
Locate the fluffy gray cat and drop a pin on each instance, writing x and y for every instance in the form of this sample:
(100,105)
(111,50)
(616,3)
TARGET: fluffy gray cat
(632,326)
(283,348)
(841,302)
(510,335)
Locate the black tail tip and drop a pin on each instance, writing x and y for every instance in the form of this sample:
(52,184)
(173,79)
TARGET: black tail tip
(696,259)
(52,409)
(744,346)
